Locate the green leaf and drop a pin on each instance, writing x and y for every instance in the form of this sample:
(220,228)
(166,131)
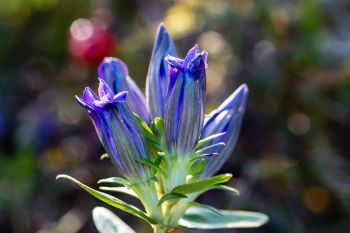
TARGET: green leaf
(197,169)
(211,208)
(202,185)
(124,190)
(104,156)
(170,196)
(158,160)
(198,217)
(113,201)
(203,156)
(207,139)
(147,132)
(225,188)
(107,222)
(154,178)
(220,187)
(152,165)
(162,154)
(159,122)
(209,147)
(115,180)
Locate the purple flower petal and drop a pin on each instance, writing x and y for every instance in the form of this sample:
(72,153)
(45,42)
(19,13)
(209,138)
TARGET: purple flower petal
(184,111)
(104,91)
(115,74)
(117,129)
(158,74)
(226,118)
(89,96)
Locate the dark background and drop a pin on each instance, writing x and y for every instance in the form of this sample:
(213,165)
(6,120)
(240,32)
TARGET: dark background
(292,158)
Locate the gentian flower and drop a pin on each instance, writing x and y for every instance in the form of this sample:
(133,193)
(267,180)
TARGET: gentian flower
(117,129)
(185,106)
(166,148)
(227,118)
(158,73)
(116,75)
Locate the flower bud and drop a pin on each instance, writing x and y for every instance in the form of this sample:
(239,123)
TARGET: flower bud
(115,73)
(185,103)
(226,118)
(158,75)
(117,129)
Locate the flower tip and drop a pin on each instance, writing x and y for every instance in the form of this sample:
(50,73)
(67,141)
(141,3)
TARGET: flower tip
(111,66)
(162,28)
(237,100)
(104,90)
(204,55)
(194,49)
(107,60)
(244,88)
(174,61)
(89,96)
(242,96)
(120,97)
(60,176)
(79,100)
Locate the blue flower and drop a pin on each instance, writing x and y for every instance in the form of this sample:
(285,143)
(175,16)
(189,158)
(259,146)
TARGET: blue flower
(117,129)
(116,75)
(227,118)
(158,73)
(163,144)
(185,103)
(175,91)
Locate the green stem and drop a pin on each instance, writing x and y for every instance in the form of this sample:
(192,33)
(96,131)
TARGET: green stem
(160,230)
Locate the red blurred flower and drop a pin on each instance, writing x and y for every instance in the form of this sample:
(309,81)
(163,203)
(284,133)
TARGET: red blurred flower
(90,40)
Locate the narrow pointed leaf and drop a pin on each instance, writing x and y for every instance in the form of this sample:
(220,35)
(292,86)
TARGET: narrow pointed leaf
(221,187)
(211,147)
(203,156)
(124,190)
(197,169)
(115,180)
(202,218)
(104,156)
(201,185)
(207,139)
(147,132)
(113,201)
(159,122)
(170,196)
(152,165)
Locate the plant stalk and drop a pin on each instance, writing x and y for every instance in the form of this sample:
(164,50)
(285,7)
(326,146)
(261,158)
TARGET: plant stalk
(160,230)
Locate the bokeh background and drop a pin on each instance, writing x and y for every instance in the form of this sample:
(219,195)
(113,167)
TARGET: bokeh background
(292,158)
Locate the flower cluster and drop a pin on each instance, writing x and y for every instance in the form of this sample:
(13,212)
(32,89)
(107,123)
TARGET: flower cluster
(164,145)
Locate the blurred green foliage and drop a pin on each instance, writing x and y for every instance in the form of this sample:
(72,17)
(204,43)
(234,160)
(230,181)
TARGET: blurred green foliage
(292,157)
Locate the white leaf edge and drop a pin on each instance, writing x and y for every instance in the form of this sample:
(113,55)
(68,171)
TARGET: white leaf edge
(101,214)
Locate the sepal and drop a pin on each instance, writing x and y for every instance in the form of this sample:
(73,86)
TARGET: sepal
(201,185)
